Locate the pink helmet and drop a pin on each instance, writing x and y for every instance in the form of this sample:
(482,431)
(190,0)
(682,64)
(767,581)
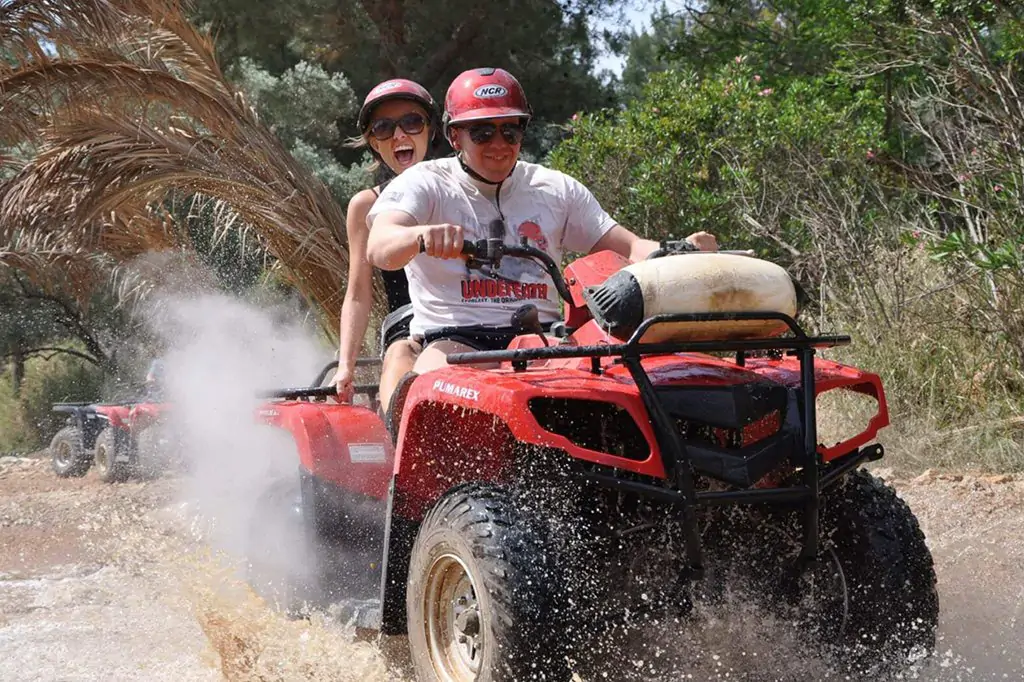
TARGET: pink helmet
(485,93)
(396,88)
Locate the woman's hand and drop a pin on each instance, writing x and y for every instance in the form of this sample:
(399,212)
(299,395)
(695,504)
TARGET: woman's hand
(344,384)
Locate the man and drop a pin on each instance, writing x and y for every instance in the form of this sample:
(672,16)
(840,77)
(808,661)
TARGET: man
(436,205)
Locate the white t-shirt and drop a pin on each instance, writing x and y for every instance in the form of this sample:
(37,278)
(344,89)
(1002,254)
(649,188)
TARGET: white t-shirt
(555,211)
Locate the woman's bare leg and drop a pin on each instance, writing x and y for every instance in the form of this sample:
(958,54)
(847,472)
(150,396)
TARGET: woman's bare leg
(435,356)
(399,359)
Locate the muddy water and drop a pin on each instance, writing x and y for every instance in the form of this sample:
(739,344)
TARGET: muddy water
(116,583)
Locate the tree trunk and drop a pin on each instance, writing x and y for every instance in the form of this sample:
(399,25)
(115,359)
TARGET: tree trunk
(17,369)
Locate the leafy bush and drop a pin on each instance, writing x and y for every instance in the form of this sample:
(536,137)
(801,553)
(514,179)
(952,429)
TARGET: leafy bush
(703,154)
(27,422)
(803,173)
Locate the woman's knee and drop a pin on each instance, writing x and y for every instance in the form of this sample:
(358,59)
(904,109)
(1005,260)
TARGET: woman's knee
(403,352)
(435,355)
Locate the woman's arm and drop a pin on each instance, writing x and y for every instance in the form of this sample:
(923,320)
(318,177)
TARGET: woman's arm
(355,310)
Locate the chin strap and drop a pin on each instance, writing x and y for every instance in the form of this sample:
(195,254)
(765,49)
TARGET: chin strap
(476,176)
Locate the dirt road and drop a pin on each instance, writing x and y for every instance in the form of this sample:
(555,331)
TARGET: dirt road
(113,582)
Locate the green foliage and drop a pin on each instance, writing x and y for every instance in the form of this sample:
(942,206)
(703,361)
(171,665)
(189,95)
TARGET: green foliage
(300,104)
(780,38)
(548,45)
(28,422)
(302,107)
(683,156)
(344,182)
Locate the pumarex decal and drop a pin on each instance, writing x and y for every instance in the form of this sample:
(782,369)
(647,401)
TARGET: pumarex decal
(490,91)
(366,453)
(458,391)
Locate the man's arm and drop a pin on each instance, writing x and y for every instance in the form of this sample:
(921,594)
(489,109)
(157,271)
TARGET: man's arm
(395,239)
(635,249)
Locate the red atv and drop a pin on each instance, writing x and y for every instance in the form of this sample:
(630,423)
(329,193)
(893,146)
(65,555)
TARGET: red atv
(115,437)
(627,461)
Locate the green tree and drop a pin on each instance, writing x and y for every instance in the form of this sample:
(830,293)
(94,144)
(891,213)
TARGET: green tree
(694,153)
(548,45)
(301,107)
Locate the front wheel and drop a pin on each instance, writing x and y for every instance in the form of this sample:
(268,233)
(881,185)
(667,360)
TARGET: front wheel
(892,609)
(481,599)
(111,457)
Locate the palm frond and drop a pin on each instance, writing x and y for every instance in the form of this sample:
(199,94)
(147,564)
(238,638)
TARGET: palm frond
(129,108)
(52,267)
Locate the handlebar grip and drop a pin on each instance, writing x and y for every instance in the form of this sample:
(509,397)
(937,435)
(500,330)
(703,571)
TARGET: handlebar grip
(468,247)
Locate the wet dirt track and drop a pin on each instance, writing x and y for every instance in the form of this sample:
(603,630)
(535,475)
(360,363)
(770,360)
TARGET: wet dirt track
(110,582)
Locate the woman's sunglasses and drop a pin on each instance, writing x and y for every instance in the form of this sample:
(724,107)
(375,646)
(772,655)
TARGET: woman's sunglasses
(411,124)
(481,133)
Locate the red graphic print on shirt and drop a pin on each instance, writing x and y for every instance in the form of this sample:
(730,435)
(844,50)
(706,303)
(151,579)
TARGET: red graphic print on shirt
(532,231)
(501,291)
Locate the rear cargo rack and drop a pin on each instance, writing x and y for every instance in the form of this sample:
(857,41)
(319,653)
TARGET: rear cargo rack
(678,485)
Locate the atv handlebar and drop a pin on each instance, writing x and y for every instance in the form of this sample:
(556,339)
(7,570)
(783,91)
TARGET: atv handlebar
(484,254)
(315,390)
(674,247)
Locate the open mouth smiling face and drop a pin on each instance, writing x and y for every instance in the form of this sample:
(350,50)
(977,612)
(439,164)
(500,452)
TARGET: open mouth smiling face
(402,150)
(405,154)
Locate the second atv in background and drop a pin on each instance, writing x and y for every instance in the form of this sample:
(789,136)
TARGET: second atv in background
(118,439)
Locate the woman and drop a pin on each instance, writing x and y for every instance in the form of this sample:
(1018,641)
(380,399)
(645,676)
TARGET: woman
(398,123)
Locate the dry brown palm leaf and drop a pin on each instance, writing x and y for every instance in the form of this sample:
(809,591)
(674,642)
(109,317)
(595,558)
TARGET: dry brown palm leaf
(52,267)
(129,107)
(124,162)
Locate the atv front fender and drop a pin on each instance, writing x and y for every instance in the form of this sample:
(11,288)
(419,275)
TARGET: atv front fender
(829,376)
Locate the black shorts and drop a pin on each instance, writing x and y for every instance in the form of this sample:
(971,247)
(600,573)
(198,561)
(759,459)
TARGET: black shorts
(478,338)
(395,327)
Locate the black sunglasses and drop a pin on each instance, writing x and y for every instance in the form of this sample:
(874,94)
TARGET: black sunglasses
(411,124)
(481,133)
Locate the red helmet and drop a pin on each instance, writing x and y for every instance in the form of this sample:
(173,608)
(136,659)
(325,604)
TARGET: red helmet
(484,93)
(396,88)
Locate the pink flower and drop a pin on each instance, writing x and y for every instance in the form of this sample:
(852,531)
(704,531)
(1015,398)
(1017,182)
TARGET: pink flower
(765,92)
(757,79)
(998,188)
(740,58)
(870,153)
(656,110)
(575,117)
(916,234)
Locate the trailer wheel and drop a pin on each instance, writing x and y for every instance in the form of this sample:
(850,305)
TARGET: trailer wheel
(67,454)
(281,561)
(111,456)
